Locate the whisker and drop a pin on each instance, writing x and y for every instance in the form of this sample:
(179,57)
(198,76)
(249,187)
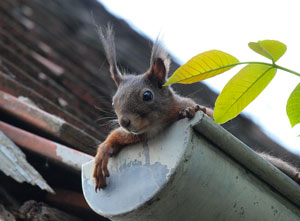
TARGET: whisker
(111,124)
(193,93)
(105,111)
(105,118)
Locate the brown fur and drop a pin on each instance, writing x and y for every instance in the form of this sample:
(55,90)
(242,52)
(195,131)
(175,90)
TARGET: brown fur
(283,166)
(138,118)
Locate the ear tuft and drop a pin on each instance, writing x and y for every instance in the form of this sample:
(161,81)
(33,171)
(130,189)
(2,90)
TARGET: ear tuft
(107,38)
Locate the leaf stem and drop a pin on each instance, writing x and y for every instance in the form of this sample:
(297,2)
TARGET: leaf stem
(269,64)
(287,70)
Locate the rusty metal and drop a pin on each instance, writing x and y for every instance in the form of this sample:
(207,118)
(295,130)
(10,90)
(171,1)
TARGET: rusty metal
(79,81)
(48,88)
(48,123)
(82,87)
(68,198)
(11,86)
(77,85)
(35,64)
(52,150)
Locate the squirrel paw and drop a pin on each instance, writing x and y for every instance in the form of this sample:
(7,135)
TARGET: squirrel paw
(297,177)
(190,112)
(100,169)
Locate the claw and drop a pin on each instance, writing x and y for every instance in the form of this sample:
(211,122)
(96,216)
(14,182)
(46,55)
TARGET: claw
(111,152)
(189,112)
(202,108)
(181,115)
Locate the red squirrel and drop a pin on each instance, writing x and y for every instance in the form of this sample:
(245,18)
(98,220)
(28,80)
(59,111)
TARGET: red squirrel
(144,107)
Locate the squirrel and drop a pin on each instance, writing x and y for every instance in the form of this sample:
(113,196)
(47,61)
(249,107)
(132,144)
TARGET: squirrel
(144,107)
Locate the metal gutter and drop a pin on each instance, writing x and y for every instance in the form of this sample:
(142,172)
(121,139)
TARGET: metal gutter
(248,158)
(193,170)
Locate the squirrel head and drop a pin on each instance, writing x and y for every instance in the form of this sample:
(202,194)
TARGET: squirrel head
(140,101)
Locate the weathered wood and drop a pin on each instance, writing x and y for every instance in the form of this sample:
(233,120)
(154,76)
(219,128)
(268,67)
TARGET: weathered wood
(48,123)
(68,198)
(13,163)
(54,151)
(38,211)
(5,215)
(9,85)
(9,201)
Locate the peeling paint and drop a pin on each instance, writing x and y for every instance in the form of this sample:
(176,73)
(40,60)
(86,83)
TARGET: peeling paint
(48,123)
(136,182)
(27,101)
(71,157)
(13,163)
(146,152)
(31,113)
(136,173)
(53,122)
(5,97)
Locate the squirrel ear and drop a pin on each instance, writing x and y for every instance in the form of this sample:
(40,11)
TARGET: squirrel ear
(160,63)
(158,71)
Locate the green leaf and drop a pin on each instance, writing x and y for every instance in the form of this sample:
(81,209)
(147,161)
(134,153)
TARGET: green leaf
(293,106)
(269,48)
(241,90)
(203,66)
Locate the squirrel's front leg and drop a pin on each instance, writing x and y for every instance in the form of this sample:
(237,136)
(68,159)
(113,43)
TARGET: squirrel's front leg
(116,140)
(190,112)
(100,167)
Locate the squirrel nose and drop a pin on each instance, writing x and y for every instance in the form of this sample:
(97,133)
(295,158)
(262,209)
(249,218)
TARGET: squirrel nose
(125,122)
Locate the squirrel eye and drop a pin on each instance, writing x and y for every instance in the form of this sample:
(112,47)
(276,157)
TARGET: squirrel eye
(147,96)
